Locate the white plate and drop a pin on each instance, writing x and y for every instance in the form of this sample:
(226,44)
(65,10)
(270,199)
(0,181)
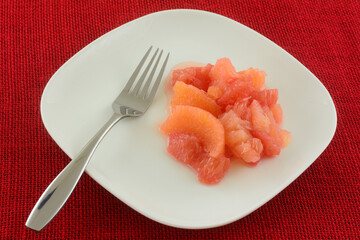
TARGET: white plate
(132,163)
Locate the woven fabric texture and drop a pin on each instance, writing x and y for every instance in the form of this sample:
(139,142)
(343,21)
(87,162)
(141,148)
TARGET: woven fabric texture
(37,37)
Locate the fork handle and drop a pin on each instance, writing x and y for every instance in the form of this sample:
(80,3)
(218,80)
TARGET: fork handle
(56,194)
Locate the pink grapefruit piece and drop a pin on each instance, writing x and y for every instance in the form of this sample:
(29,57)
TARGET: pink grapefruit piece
(238,138)
(277,113)
(258,77)
(212,170)
(267,97)
(201,123)
(259,119)
(237,88)
(271,146)
(222,71)
(196,76)
(189,150)
(286,137)
(189,95)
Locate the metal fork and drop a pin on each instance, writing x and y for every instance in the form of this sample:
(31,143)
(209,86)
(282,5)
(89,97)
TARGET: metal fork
(133,101)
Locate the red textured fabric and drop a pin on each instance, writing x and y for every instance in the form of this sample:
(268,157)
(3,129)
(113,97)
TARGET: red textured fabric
(37,37)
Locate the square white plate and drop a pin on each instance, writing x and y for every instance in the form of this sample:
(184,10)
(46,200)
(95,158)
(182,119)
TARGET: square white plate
(132,162)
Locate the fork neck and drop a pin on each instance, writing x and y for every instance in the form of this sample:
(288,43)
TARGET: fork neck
(116,117)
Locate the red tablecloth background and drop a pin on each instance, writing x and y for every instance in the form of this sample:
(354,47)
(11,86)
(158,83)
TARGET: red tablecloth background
(37,37)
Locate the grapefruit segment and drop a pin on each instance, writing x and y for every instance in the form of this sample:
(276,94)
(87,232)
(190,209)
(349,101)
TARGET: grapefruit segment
(189,95)
(257,76)
(259,119)
(286,137)
(212,170)
(277,113)
(189,150)
(193,120)
(214,92)
(241,108)
(231,121)
(235,137)
(186,148)
(267,97)
(274,130)
(222,71)
(249,151)
(239,140)
(271,146)
(196,76)
(238,88)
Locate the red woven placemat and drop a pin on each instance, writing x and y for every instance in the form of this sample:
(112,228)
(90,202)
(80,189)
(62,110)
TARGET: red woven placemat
(37,37)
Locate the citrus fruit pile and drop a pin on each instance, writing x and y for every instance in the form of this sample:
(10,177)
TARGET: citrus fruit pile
(219,115)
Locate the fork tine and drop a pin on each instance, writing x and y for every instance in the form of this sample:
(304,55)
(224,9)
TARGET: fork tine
(136,72)
(141,79)
(157,82)
(148,82)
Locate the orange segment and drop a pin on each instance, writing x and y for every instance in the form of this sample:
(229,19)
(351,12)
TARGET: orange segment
(201,123)
(189,95)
